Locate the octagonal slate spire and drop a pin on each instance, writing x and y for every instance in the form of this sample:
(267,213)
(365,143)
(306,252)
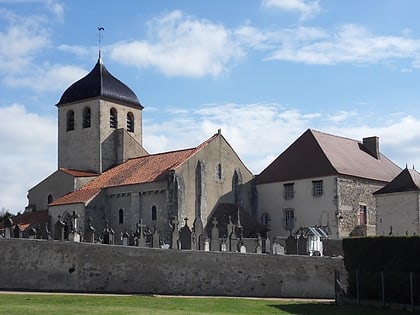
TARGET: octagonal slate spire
(99,83)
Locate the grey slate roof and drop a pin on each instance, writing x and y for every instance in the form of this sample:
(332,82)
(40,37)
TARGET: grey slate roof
(407,180)
(317,154)
(99,83)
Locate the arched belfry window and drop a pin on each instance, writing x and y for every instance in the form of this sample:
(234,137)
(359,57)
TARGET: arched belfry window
(70,120)
(130,122)
(86,117)
(113,118)
(49,199)
(121,216)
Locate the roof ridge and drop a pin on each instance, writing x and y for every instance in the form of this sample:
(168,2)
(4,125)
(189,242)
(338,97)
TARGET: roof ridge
(335,136)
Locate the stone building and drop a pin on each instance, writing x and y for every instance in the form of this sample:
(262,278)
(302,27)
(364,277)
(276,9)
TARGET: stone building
(325,181)
(398,204)
(106,176)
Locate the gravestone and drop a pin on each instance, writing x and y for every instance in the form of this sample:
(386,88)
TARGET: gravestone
(8,226)
(291,245)
(155,239)
(185,236)
(59,227)
(125,237)
(207,244)
(303,245)
(90,232)
(108,234)
(141,242)
(215,243)
(175,234)
(198,232)
(16,231)
(268,245)
(223,246)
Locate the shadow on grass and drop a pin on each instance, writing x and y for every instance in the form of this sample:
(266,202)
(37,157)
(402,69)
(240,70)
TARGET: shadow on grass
(332,308)
(309,308)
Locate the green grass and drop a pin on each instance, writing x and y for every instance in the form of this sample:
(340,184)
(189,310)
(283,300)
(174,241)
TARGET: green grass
(34,304)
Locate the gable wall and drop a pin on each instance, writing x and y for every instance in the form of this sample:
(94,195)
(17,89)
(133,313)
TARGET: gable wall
(57,185)
(215,190)
(398,212)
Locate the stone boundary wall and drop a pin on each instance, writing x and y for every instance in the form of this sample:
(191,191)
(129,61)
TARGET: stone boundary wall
(42,265)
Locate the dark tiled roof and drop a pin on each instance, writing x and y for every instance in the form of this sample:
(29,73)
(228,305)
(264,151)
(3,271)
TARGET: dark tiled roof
(99,83)
(145,169)
(407,180)
(317,154)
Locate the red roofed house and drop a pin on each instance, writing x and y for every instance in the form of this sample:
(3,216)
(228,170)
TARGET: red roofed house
(105,173)
(326,181)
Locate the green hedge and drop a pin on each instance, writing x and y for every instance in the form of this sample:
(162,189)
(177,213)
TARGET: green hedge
(382,253)
(369,260)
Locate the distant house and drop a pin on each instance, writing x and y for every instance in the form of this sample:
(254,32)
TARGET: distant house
(324,180)
(398,204)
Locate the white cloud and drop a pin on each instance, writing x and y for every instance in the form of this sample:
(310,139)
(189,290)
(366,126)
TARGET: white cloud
(306,8)
(28,143)
(348,44)
(21,39)
(47,77)
(182,45)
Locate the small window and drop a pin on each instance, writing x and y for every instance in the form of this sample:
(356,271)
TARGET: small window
(289,191)
(86,117)
(113,118)
(219,171)
(362,214)
(70,120)
(289,219)
(154,213)
(318,188)
(265,218)
(130,122)
(121,216)
(49,199)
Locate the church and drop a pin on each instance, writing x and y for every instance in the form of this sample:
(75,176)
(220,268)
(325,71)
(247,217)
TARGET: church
(108,180)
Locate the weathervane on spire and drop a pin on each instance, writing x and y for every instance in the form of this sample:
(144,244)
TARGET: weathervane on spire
(100,28)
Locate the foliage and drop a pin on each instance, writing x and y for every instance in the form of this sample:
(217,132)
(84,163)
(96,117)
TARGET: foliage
(101,304)
(379,267)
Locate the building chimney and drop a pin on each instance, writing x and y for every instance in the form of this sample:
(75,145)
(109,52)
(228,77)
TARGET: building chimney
(371,145)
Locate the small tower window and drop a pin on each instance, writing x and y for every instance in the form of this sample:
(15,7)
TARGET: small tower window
(49,199)
(154,213)
(130,122)
(86,117)
(121,216)
(113,118)
(70,120)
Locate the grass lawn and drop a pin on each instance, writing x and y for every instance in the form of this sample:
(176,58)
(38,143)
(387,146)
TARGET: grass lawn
(91,304)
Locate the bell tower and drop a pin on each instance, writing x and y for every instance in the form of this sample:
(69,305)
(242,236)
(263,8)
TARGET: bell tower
(99,123)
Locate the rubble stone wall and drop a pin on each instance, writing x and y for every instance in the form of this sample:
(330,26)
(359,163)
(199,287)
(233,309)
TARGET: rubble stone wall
(40,265)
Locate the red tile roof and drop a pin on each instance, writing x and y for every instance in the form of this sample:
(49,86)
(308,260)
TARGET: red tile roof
(317,154)
(77,173)
(144,169)
(29,219)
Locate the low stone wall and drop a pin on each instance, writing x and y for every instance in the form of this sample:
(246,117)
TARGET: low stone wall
(81,267)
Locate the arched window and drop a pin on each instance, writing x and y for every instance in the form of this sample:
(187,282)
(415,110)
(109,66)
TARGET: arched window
(49,199)
(130,122)
(121,216)
(70,120)
(113,118)
(154,213)
(86,117)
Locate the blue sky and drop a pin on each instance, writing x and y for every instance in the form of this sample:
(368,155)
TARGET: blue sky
(263,71)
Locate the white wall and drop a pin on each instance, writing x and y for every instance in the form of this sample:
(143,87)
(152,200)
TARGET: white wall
(399,210)
(308,210)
